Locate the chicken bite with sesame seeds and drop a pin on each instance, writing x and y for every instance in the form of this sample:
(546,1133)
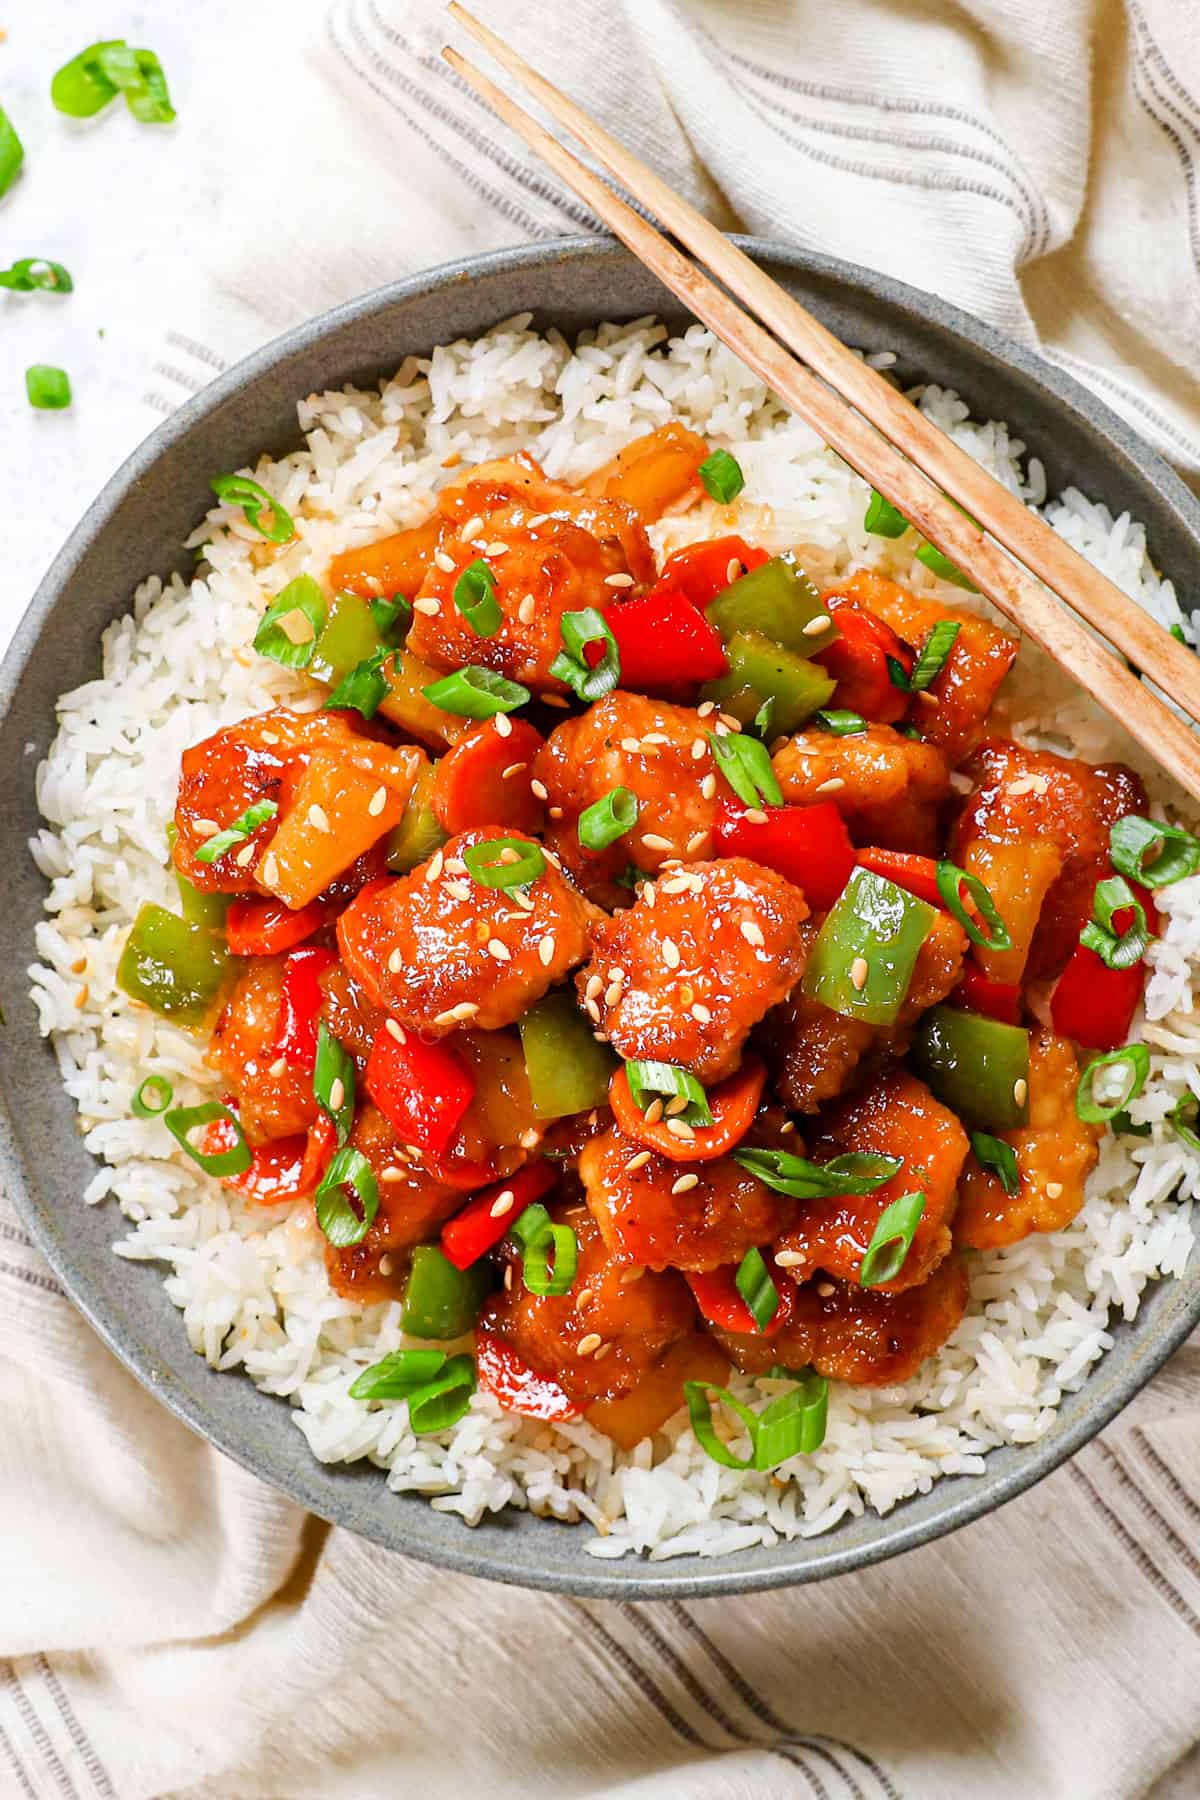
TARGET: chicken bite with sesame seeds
(685,973)
(888,788)
(272,1099)
(661,755)
(412,1204)
(439,949)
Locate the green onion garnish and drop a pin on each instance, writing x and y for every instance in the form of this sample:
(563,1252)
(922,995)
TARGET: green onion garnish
(333,1081)
(1154,855)
(391,618)
(505,862)
(1186,1103)
(950,882)
(1116,950)
(841,724)
(289,628)
(549,1252)
(475,693)
(398,1375)
(722,476)
(696,1393)
(792,1425)
(939,564)
(760,725)
(648,1080)
(475,598)
(335,1215)
(1135,1059)
(891,1240)
(994,1154)
(186,1119)
(930,662)
(90,81)
(882,519)
(238,832)
(746,766)
(48,388)
(606,820)
(446,1399)
(239,490)
(12,152)
(36,273)
(153,1097)
(753,1282)
(578,630)
(364,689)
(1123,1125)
(857,1172)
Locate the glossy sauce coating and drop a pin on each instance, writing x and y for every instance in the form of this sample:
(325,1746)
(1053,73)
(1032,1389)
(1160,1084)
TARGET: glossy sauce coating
(888,788)
(271,1099)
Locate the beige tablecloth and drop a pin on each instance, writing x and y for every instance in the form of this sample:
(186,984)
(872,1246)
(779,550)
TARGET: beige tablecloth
(172,1626)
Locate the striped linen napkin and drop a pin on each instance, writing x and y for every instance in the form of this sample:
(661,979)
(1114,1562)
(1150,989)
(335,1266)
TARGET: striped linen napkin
(172,1627)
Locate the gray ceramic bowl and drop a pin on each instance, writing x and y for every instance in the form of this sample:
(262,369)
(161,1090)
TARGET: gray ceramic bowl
(136,526)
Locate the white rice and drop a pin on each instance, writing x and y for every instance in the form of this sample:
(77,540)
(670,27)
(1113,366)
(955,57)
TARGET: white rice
(250,1283)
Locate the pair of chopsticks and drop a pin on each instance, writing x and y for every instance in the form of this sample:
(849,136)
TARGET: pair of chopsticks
(876,430)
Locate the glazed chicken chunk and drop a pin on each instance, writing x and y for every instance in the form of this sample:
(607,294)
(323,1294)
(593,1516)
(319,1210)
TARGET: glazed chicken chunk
(683,974)
(271,1098)
(412,1205)
(887,787)
(438,949)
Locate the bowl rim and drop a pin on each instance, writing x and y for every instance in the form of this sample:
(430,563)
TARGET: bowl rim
(482,1556)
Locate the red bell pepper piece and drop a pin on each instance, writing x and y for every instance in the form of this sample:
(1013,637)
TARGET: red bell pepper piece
(473,1231)
(715,1292)
(915,874)
(1093,1004)
(289,1168)
(978,993)
(268,927)
(702,571)
(857,660)
(423,1090)
(808,845)
(300,1007)
(471,789)
(516,1386)
(663,639)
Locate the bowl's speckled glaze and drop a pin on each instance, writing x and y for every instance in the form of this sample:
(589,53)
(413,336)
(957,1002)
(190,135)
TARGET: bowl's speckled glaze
(136,526)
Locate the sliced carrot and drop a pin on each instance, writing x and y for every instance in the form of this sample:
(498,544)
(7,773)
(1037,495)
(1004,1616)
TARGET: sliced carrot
(484,780)
(733,1104)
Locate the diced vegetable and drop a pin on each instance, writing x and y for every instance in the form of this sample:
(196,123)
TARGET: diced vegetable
(289,1168)
(808,845)
(1095,998)
(209,911)
(172,967)
(662,639)
(299,1007)
(516,1386)
(862,962)
(589,676)
(704,570)
(779,601)
(858,663)
(915,874)
(333,1081)
(484,779)
(976,1066)
(995,999)
(418,834)
(422,1089)
(653,473)
(267,927)
(391,565)
(337,811)
(491,1215)
(732,1103)
(795,686)
(568,1070)
(348,637)
(721,1302)
(441,1301)
(408,707)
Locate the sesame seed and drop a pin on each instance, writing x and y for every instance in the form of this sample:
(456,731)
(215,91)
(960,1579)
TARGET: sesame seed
(393,1173)
(386,1265)
(595,986)
(396,1030)
(681,1129)
(1023,785)
(539,790)
(731,724)
(377,802)
(500,951)
(602,1352)
(859,970)
(695,842)
(559,700)
(678,884)
(496,549)
(1020,1091)
(207,828)
(503,725)
(512,769)
(653,842)
(789,1259)
(458,889)
(582,1298)
(752,932)
(831,786)
(443,562)
(618,581)
(654,1112)
(502,1204)
(733,569)
(632,745)
(318,818)
(79,965)
(816,626)
(395,962)
(676,1106)
(466,1009)
(630,1276)
(446,1018)
(546,951)
(670,951)
(708,786)
(527,609)
(646,892)
(705,708)
(601,1037)
(612,994)
(699,748)
(615,974)
(685,1184)
(701,1014)
(524,903)
(278,1067)
(337,1094)
(246,855)
(429,607)
(637,1162)
(926,698)
(788,1125)
(538,519)
(456,866)
(437,863)
(529,1140)
(473,524)
(591,1342)
(556,812)
(593,1013)
(824,1288)
(270,869)
(721,730)
(507,855)
(508,1278)
(1053,1190)
(297,627)
(270,737)
(1040,784)
(754,815)
(655,737)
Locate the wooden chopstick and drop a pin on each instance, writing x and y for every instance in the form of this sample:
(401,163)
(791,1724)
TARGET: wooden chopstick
(1091,594)
(1017,593)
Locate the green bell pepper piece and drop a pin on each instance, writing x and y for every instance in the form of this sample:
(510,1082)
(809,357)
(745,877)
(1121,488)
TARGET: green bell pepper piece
(976,1066)
(862,961)
(758,667)
(568,1070)
(206,910)
(778,600)
(348,637)
(418,834)
(176,968)
(441,1301)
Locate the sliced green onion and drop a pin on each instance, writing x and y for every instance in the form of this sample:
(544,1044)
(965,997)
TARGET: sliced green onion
(90,81)
(238,832)
(239,490)
(12,152)
(950,882)
(722,476)
(81,88)
(549,1253)
(48,388)
(606,820)
(1186,1102)
(939,564)
(746,766)
(1116,951)
(1135,1059)
(1123,1125)
(578,630)
(857,1172)
(288,630)
(840,723)
(753,1282)
(794,1423)
(647,1080)
(696,1393)
(882,518)
(761,723)
(398,1375)
(145,92)
(155,1088)
(36,272)
(475,693)
(1154,855)
(364,689)
(446,1399)
(934,651)
(994,1154)
(391,618)
(891,1240)
(335,1215)
(186,1119)
(475,598)
(333,1081)
(505,862)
